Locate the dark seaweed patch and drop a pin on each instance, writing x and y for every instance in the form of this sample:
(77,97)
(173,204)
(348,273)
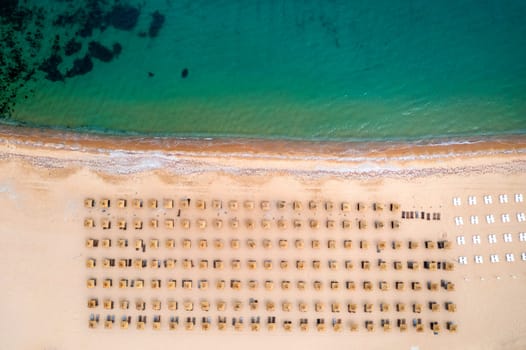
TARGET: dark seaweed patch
(72,47)
(117,48)
(123,17)
(156,24)
(50,67)
(100,52)
(81,66)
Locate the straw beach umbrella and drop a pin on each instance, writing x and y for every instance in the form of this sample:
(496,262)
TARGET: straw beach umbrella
(89,203)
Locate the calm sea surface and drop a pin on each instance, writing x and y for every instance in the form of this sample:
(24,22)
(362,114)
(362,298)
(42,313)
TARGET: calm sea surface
(329,70)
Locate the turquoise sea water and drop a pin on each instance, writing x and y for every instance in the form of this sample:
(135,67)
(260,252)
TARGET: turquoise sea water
(329,70)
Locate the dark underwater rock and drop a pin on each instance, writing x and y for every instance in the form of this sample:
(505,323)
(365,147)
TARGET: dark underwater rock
(151,75)
(72,47)
(123,17)
(184,73)
(50,67)
(81,66)
(100,52)
(156,24)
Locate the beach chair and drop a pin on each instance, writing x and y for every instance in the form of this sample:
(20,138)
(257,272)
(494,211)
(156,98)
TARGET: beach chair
(488,199)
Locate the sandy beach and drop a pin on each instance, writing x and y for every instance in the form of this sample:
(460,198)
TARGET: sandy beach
(288,196)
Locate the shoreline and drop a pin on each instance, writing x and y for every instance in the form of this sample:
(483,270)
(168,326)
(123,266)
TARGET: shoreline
(72,140)
(128,155)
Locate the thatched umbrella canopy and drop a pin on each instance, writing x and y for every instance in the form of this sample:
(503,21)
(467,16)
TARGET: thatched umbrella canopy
(200,204)
(201,223)
(217,204)
(234,223)
(265,205)
(378,224)
(185,223)
(395,224)
(329,205)
(249,205)
(250,224)
(121,224)
(434,306)
(152,203)
(168,203)
(281,204)
(346,224)
(105,203)
(233,205)
(378,206)
(367,285)
(362,224)
(185,203)
(313,223)
(451,307)
(394,206)
(217,223)
(360,206)
(296,205)
(89,223)
(346,206)
(89,202)
(383,285)
(313,205)
(121,203)
(265,223)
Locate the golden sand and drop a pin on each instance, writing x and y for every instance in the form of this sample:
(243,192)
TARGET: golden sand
(277,223)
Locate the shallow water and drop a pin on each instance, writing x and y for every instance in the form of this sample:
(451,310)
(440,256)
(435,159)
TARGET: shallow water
(338,70)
